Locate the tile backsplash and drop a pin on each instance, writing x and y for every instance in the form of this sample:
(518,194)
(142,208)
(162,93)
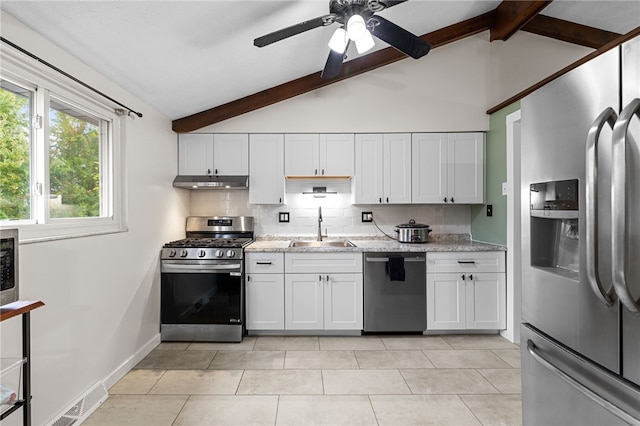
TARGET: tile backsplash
(340,217)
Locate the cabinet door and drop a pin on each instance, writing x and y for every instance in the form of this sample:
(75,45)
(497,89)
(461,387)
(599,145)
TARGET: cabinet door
(330,262)
(343,302)
(266,169)
(301,155)
(445,302)
(397,168)
(466,168)
(195,154)
(303,301)
(429,168)
(368,180)
(231,154)
(337,154)
(486,301)
(265,301)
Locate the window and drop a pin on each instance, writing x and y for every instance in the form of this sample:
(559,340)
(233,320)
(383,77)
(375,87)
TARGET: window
(15,151)
(59,156)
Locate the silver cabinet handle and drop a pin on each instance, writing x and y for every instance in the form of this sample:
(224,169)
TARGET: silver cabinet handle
(616,411)
(618,204)
(608,116)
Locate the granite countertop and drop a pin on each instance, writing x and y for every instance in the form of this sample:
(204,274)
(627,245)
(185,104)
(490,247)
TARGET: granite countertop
(372,244)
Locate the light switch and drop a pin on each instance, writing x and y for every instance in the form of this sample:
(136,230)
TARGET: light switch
(504,188)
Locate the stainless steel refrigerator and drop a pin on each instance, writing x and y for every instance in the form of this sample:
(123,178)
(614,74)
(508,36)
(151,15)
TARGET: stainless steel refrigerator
(580,337)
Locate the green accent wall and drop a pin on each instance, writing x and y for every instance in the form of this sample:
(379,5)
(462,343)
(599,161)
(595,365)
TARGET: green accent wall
(494,229)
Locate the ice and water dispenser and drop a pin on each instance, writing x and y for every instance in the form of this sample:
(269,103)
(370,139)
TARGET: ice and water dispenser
(555,232)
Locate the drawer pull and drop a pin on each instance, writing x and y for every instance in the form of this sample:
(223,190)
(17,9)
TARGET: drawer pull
(264,263)
(467,262)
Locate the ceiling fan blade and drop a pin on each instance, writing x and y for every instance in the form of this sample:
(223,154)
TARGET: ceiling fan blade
(398,37)
(390,3)
(293,30)
(334,63)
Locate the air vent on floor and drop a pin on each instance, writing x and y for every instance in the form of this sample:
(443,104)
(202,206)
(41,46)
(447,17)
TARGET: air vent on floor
(84,407)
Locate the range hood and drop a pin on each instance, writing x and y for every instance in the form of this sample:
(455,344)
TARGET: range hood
(211,182)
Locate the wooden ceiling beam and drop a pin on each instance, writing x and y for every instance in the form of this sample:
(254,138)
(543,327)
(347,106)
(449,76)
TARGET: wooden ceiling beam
(513,15)
(570,32)
(313,81)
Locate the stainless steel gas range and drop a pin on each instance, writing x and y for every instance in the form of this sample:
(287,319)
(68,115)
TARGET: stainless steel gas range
(202,281)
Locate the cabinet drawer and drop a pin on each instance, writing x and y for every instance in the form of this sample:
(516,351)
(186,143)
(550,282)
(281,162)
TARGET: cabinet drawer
(264,263)
(486,261)
(323,262)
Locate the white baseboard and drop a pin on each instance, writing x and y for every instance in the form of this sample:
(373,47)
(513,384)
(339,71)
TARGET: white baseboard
(127,365)
(95,395)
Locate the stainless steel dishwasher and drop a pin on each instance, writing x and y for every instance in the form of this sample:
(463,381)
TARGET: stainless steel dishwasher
(395,305)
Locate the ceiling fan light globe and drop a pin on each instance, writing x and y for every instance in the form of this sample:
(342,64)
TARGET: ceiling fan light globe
(339,40)
(356,28)
(365,44)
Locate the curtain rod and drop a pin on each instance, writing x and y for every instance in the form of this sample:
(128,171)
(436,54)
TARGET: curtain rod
(53,67)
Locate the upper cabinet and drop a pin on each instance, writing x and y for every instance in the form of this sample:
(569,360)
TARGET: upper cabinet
(266,171)
(383,169)
(448,168)
(213,154)
(319,155)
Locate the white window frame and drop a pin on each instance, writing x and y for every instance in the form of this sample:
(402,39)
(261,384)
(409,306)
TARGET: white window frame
(46,83)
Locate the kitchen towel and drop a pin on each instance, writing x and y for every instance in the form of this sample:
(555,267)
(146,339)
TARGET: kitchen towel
(395,268)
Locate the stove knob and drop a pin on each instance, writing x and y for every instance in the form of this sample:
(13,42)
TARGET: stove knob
(231,253)
(184,253)
(202,253)
(219,253)
(172,253)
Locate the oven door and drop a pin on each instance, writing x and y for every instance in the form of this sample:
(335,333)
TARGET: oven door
(201,299)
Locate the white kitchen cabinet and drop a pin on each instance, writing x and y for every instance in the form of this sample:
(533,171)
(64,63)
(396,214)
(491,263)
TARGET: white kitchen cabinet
(448,168)
(323,291)
(213,154)
(383,169)
(265,291)
(466,291)
(195,154)
(319,155)
(231,154)
(266,169)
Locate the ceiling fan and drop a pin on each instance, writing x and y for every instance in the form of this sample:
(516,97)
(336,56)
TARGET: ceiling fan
(358,21)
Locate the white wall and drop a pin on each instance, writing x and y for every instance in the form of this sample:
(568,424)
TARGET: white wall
(450,89)
(101,293)
(340,217)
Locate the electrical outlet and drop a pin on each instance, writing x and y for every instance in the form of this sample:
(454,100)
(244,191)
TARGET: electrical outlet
(283,217)
(367,216)
(489,210)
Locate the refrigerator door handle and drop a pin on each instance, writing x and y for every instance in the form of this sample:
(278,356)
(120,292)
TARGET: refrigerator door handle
(618,204)
(608,116)
(616,411)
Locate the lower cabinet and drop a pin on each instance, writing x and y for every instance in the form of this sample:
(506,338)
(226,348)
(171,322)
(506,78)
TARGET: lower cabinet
(264,291)
(304,291)
(323,301)
(466,291)
(265,301)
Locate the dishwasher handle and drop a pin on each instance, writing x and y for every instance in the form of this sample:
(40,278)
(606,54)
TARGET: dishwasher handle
(386,259)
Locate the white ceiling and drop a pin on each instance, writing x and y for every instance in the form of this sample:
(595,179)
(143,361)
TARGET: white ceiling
(183,57)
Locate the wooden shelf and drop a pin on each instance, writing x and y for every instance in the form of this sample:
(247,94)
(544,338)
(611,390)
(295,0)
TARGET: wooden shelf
(20,307)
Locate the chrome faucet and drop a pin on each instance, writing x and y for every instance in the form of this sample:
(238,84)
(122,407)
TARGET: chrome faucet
(319,223)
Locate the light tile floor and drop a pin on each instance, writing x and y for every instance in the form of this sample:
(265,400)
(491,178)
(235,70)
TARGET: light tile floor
(369,380)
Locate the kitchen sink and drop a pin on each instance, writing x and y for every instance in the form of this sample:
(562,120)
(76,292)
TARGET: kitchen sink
(319,244)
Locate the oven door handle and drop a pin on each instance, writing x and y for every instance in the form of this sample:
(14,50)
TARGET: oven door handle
(192,269)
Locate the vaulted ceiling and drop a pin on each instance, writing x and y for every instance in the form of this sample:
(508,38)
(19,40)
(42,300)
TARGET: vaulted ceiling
(195,61)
